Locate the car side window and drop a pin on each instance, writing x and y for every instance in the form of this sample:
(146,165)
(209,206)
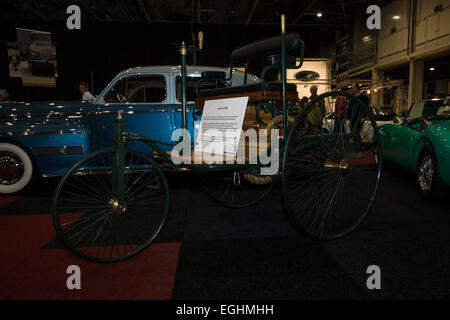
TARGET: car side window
(138,89)
(191,84)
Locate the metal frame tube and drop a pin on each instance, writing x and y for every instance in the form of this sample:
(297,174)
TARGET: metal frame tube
(118,160)
(246,73)
(283,72)
(183,52)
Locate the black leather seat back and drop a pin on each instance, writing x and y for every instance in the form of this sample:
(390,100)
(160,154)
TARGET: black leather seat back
(214,75)
(246,88)
(275,60)
(265,47)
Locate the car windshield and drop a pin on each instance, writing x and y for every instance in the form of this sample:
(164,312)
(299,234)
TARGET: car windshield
(430,108)
(138,89)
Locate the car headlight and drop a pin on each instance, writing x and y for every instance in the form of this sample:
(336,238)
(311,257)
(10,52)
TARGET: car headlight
(35,53)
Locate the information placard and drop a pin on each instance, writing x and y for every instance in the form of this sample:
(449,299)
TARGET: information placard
(221,126)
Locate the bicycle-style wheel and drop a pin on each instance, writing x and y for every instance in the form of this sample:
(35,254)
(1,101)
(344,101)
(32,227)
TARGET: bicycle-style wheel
(330,170)
(237,189)
(87,217)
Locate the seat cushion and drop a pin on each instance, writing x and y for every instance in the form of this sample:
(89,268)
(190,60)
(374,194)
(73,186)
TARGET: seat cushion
(265,47)
(214,75)
(275,60)
(246,88)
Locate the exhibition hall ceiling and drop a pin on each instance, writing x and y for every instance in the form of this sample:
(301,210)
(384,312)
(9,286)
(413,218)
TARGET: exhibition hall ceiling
(299,12)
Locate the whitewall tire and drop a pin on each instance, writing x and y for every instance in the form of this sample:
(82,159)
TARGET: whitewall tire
(17,169)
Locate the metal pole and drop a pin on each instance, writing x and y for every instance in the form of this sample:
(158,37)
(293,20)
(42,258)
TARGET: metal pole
(283,72)
(118,164)
(246,73)
(183,52)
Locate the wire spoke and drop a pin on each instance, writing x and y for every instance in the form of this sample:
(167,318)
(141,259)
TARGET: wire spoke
(330,179)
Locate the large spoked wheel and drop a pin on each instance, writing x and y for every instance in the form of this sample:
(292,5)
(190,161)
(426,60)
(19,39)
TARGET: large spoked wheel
(86,214)
(237,189)
(331,169)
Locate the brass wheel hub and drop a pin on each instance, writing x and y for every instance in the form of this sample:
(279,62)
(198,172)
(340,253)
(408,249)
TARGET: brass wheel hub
(343,166)
(116,206)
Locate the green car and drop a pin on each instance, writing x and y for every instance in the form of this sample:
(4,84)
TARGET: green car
(421,143)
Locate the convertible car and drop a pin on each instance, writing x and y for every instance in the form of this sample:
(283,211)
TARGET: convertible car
(421,143)
(46,138)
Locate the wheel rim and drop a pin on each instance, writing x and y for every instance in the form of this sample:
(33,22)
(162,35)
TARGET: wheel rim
(11,168)
(88,217)
(329,180)
(236,189)
(426,172)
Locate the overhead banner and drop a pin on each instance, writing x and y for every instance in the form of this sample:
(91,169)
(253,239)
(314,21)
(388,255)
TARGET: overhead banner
(314,72)
(33,58)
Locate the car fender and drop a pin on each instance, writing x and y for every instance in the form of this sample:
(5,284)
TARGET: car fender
(385,134)
(54,141)
(439,136)
(417,149)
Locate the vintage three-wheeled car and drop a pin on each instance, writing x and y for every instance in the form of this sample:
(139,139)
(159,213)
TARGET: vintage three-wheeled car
(112,203)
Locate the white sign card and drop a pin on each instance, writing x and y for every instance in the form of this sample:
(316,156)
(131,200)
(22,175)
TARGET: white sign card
(221,126)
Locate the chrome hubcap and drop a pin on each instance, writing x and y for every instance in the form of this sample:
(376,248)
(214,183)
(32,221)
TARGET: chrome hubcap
(11,168)
(426,172)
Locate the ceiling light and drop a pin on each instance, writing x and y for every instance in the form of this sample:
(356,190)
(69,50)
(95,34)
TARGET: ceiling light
(396,17)
(432,69)
(319,14)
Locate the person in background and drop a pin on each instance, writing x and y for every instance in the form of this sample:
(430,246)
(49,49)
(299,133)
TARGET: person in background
(86,95)
(4,96)
(304,101)
(317,113)
(313,91)
(339,113)
(356,114)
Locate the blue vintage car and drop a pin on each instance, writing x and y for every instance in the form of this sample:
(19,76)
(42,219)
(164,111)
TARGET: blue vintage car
(44,139)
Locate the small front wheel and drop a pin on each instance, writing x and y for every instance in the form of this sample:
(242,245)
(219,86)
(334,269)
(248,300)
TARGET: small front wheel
(237,189)
(89,219)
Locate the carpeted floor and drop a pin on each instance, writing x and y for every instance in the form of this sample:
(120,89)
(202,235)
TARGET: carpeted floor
(206,251)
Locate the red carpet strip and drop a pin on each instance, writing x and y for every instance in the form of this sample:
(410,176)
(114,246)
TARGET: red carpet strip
(9,199)
(28,272)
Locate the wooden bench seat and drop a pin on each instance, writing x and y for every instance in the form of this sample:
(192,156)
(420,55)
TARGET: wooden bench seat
(273,91)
